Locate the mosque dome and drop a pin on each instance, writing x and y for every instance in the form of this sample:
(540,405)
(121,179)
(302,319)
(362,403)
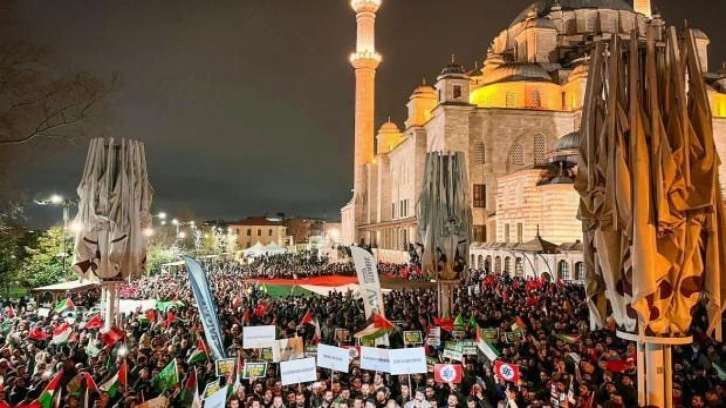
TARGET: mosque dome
(517,71)
(544,7)
(423,90)
(453,69)
(389,127)
(569,141)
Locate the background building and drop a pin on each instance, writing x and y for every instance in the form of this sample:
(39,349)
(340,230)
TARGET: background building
(252,230)
(516,118)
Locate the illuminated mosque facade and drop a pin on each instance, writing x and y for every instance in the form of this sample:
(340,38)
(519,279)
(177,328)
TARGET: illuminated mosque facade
(516,118)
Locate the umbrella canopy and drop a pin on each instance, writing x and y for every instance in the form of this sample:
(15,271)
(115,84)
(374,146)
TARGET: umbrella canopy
(444,216)
(651,206)
(113,211)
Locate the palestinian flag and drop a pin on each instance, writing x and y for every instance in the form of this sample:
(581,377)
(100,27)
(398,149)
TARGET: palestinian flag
(46,398)
(167,378)
(200,354)
(380,327)
(519,325)
(148,318)
(64,305)
(94,324)
(170,318)
(190,393)
(38,335)
(164,306)
(459,322)
(568,338)
(117,382)
(112,337)
(62,334)
(307,319)
(486,347)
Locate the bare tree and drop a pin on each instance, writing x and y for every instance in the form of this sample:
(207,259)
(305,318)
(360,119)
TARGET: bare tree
(36,102)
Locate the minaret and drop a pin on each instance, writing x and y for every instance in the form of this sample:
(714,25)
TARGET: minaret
(365,60)
(642,7)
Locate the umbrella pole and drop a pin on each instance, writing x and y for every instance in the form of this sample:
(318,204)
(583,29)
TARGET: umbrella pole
(110,296)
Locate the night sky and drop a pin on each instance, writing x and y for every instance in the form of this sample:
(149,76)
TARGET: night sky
(246,106)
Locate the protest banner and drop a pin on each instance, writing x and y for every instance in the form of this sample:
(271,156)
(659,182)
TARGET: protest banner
(258,336)
(334,358)
(407,361)
(225,366)
(298,371)
(412,338)
(254,370)
(288,349)
(374,359)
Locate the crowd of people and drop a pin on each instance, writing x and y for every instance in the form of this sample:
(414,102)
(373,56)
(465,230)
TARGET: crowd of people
(561,362)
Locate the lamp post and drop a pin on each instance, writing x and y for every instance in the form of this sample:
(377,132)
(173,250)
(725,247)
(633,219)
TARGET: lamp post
(57,200)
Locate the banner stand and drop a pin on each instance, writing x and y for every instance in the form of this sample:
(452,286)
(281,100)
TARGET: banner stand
(655,367)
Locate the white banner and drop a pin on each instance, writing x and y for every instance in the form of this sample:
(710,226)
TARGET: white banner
(408,361)
(374,359)
(258,337)
(288,349)
(298,371)
(218,399)
(334,358)
(370,284)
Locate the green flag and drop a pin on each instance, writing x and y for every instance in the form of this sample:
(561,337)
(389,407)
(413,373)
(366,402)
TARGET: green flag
(168,377)
(473,323)
(459,320)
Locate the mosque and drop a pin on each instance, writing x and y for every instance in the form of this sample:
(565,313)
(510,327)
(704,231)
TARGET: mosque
(516,118)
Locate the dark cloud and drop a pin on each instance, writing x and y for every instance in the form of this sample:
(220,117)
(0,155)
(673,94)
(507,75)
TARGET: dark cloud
(246,106)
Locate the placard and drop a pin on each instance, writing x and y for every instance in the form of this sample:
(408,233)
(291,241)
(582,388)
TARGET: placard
(468,348)
(490,334)
(42,312)
(453,353)
(258,336)
(334,358)
(218,399)
(288,349)
(266,354)
(311,351)
(430,363)
(210,389)
(225,366)
(513,337)
(458,334)
(254,370)
(434,336)
(412,338)
(298,371)
(353,351)
(407,361)
(374,359)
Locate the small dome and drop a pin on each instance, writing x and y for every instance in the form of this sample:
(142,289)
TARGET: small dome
(389,127)
(452,69)
(570,141)
(540,22)
(424,89)
(517,71)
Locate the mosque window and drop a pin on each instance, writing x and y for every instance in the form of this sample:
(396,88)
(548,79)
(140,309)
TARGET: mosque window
(563,270)
(580,271)
(534,99)
(457,91)
(539,149)
(480,196)
(516,154)
(511,100)
(479,154)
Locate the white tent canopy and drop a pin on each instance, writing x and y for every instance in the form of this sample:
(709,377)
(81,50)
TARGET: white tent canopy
(71,286)
(273,249)
(255,250)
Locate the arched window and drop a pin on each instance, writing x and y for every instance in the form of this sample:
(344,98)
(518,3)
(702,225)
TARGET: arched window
(563,270)
(580,271)
(259,232)
(479,155)
(539,149)
(518,267)
(480,262)
(488,263)
(534,99)
(516,154)
(497,265)
(511,100)
(508,265)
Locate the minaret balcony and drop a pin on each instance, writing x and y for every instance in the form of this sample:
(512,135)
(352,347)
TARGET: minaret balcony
(365,59)
(361,6)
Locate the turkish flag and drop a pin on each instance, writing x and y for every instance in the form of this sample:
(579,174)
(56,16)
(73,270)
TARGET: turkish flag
(506,371)
(448,373)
